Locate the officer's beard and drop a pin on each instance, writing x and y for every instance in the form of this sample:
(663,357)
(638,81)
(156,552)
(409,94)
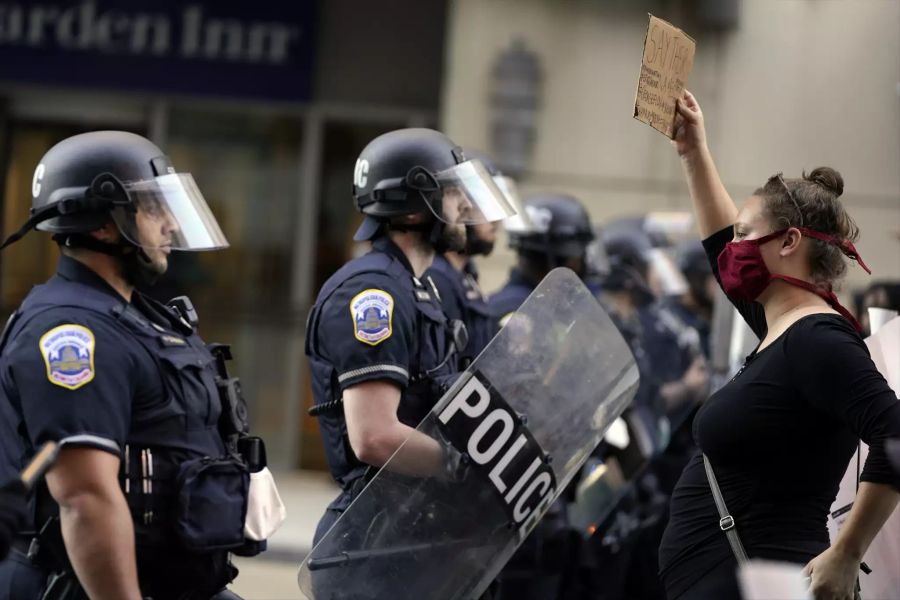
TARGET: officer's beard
(441,237)
(476,246)
(453,238)
(140,270)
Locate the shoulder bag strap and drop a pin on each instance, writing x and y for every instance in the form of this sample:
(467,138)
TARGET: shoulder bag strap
(726,521)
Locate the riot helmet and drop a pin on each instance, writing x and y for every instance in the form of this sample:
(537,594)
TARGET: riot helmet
(410,171)
(85,180)
(640,260)
(88,180)
(559,229)
(628,252)
(597,260)
(694,264)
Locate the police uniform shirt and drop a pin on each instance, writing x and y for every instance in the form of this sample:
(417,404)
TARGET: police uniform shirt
(670,344)
(691,319)
(75,376)
(367,330)
(369,327)
(510,297)
(374,321)
(462,299)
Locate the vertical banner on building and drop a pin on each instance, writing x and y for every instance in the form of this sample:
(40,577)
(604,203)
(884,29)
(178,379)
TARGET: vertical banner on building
(665,67)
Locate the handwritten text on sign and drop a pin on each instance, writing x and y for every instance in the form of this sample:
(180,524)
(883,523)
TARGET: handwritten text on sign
(668,59)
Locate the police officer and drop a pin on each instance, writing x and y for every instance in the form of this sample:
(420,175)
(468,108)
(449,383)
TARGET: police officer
(673,369)
(149,491)
(673,379)
(456,277)
(379,345)
(558,234)
(694,307)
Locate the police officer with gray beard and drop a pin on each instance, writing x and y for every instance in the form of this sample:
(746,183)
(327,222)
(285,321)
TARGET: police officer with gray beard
(558,233)
(149,492)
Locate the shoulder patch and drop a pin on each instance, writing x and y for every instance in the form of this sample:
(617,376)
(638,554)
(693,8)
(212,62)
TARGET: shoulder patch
(68,352)
(373,312)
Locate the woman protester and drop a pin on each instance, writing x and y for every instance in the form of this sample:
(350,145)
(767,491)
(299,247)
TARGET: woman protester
(778,437)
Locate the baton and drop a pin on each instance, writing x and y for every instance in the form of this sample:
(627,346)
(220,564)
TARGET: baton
(39,465)
(345,558)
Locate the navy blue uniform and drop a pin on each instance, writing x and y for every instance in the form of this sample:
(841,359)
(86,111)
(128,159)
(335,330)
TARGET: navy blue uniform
(510,297)
(83,367)
(462,299)
(691,319)
(374,321)
(541,568)
(664,349)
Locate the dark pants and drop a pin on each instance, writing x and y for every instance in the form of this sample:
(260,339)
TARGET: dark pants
(22,580)
(720,583)
(545,566)
(19,579)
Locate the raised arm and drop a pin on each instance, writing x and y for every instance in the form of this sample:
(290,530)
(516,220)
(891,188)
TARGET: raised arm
(713,207)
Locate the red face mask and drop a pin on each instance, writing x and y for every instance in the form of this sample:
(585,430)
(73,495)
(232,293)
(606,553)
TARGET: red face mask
(745,276)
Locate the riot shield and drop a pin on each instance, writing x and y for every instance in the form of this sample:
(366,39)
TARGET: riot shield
(518,423)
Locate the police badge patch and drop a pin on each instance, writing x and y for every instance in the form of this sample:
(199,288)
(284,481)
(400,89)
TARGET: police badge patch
(372,312)
(68,352)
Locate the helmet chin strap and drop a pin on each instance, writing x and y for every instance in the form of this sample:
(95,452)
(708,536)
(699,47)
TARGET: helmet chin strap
(432,230)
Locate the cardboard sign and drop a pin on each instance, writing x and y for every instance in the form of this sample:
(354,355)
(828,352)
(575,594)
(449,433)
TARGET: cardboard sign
(667,62)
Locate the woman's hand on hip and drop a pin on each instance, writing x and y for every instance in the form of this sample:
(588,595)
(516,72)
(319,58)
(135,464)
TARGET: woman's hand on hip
(832,575)
(690,132)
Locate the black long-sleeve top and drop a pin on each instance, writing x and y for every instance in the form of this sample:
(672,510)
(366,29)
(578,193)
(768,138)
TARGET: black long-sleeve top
(779,436)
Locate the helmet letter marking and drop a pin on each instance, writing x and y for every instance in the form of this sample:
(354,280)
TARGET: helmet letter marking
(360,173)
(36,182)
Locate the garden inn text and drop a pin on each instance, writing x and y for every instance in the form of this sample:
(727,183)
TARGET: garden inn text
(189,33)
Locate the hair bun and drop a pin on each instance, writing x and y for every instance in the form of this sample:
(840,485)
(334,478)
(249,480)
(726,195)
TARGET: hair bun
(828,178)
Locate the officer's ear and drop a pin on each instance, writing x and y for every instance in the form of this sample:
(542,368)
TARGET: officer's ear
(109,233)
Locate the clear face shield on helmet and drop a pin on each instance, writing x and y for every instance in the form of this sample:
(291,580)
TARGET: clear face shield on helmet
(469,196)
(664,277)
(168,212)
(509,188)
(529,219)
(596,258)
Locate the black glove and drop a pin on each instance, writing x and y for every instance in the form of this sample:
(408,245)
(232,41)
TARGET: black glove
(13,513)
